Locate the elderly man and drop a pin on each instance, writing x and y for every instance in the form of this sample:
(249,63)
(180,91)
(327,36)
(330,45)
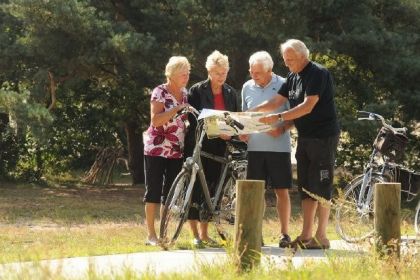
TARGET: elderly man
(310,91)
(269,153)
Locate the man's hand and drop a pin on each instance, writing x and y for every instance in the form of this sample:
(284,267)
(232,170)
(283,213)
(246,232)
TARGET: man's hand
(244,137)
(225,137)
(275,132)
(269,119)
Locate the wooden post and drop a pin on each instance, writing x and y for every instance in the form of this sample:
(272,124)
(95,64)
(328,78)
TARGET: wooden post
(248,222)
(387,205)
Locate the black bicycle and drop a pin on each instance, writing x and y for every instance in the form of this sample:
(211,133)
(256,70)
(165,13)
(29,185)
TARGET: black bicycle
(219,209)
(354,213)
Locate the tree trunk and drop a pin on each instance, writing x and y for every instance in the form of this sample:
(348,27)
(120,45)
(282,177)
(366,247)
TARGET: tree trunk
(135,151)
(4,121)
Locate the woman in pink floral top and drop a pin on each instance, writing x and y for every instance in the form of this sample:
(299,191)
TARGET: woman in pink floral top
(164,139)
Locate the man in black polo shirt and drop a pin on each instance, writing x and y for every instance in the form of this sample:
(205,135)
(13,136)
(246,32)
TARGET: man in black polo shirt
(310,91)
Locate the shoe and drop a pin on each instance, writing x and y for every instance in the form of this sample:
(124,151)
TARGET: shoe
(211,243)
(285,241)
(314,244)
(298,243)
(197,243)
(151,242)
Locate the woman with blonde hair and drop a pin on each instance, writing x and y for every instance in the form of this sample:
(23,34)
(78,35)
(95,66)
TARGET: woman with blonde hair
(212,93)
(164,139)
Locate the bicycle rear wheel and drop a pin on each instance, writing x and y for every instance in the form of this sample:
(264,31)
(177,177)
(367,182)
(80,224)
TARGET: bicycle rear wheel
(354,221)
(225,220)
(417,219)
(176,209)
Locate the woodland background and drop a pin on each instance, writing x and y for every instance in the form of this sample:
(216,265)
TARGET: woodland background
(76,75)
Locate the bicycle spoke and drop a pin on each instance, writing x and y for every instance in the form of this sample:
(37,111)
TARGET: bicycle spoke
(225,220)
(354,215)
(175,210)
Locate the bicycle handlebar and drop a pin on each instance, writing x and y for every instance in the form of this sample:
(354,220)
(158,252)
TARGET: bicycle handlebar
(186,110)
(232,122)
(377,117)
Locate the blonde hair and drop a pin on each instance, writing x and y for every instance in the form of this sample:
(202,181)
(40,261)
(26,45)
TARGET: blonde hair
(263,58)
(216,58)
(176,64)
(297,45)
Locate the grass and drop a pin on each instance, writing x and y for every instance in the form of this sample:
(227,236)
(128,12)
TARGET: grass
(76,220)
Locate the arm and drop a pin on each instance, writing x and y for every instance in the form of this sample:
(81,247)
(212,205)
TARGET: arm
(281,128)
(158,116)
(302,109)
(270,105)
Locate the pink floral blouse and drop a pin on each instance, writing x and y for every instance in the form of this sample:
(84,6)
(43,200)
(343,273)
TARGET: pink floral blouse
(168,140)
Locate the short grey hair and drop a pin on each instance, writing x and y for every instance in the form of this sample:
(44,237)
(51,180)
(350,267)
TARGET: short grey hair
(297,45)
(175,64)
(262,57)
(216,58)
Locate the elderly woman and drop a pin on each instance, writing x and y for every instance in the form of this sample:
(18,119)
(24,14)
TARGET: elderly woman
(164,139)
(212,93)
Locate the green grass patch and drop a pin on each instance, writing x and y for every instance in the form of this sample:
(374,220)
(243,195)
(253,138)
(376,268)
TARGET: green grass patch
(74,220)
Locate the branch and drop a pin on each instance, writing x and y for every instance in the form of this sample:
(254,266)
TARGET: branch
(52,89)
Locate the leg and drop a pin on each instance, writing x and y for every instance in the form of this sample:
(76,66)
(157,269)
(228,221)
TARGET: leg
(204,233)
(150,210)
(323,215)
(309,210)
(194,228)
(283,209)
(279,172)
(154,170)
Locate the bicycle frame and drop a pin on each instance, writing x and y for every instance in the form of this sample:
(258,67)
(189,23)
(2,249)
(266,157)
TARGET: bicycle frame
(194,164)
(363,200)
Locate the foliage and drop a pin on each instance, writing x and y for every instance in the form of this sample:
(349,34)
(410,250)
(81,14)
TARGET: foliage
(104,57)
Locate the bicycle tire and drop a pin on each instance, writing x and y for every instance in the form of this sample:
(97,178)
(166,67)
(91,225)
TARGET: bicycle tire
(226,217)
(417,219)
(354,223)
(176,209)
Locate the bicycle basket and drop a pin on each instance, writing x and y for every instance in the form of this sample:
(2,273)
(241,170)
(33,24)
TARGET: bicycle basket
(391,144)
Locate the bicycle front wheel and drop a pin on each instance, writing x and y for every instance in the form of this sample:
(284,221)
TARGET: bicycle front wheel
(176,209)
(417,219)
(354,218)
(226,219)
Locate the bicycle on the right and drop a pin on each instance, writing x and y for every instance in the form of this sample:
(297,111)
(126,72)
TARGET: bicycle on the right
(354,212)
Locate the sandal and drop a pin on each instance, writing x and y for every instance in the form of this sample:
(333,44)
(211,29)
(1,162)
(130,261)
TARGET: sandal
(299,243)
(314,244)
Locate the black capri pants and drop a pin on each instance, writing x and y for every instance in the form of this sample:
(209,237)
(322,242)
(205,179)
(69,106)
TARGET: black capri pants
(159,174)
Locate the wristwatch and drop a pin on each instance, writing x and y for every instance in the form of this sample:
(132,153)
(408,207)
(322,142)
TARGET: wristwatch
(280,117)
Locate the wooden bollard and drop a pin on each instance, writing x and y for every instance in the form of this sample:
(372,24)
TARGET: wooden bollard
(387,205)
(248,223)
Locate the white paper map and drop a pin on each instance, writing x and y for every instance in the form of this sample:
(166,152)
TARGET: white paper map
(216,124)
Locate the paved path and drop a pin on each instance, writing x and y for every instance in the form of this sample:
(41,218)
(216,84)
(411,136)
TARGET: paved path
(170,261)
(165,261)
